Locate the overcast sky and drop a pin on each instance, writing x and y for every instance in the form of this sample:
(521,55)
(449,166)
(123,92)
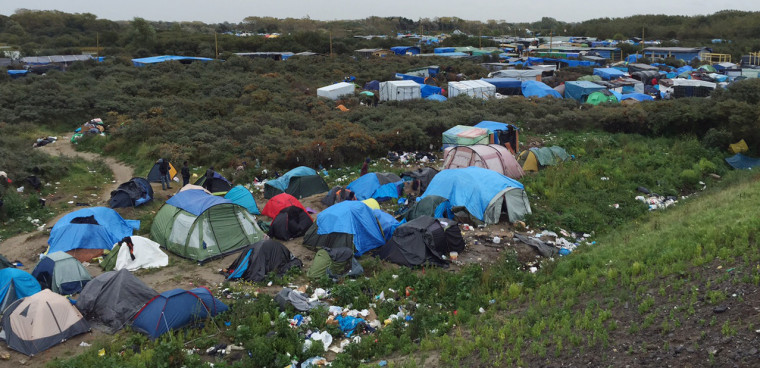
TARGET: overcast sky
(234,11)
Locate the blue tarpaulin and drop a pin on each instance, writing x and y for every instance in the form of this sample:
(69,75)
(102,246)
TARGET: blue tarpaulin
(195,201)
(504,82)
(444,50)
(538,89)
(388,223)
(608,73)
(439,98)
(161,59)
(579,90)
(636,96)
(427,90)
(283,181)
(369,186)
(352,217)
(403,50)
(92,228)
(418,79)
(739,161)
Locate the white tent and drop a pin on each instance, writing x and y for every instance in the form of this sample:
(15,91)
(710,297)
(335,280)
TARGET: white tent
(473,88)
(519,74)
(401,90)
(147,255)
(336,91)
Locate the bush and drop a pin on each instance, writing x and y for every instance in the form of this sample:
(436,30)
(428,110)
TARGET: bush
(690,178)
(715,138)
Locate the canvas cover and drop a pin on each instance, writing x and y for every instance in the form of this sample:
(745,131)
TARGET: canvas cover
(259,259)
(113,298)
(492,156)
(350,217)
(380,186)
(147,254)
(90,228)
(739,161)
(175,309)
(538,89)
(422,241)
(135,192)
(300,182)
(16,284)
(291,222)
(61,273)
(280,202)
(38,322)
(579,90)
(462,135)
(154,175)
(241,196)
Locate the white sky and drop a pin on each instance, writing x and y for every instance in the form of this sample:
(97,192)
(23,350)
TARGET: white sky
(509,10)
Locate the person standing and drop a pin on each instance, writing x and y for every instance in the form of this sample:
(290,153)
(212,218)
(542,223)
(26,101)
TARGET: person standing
(185,174)
(163,170)
(365,167)
(209,176)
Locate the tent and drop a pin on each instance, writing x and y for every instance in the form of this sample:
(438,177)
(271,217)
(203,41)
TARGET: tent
(154,175)
(219,184)
(502,133)
(427,90)
(538,89)
(198,226)
(434,206)
(241,196)
(194,187)
(424,240)
(300,182)
(336,195)
(16,284)
(61,273)
(422,175)
(462,135)
(739,161)
(609,73)
(4,262)
(280,202)
(259,259)
(534,158)
(399,90)
(336,91)
(599,97)
(133,193)
(406,50)
(380,186)
(175,309)
(473,88)
(38,322)
(164,58)
(489,156)
(146,253)
(738,147)
(87,232)
(291,222)
(373,85)
(350,224)
(113,298)
(482,193)
(333,262)
(580,90)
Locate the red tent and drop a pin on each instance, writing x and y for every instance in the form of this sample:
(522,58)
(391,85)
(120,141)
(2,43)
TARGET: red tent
(278,202)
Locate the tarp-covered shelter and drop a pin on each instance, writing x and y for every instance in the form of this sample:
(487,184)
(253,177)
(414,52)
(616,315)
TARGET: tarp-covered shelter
(175,309)
(599,97)
(502,133)
(87,232)
(739,161)
(462,135)
(336,91)
(349,224)
(473,88)
(164,58)
(145,253)
(380,186)
(38,322)
(433,206)
(579,90)
(133,193)
(405,50)
(609,73)
(154,175)
(259,259)
(241,196)
(489,156)
(637,96)
(16,284)
(519,74)
(61,273)
(424,240)
(538,89)
(506,86)
(218,184)
(113,298)
(483,193)
(300,182)
(199,226)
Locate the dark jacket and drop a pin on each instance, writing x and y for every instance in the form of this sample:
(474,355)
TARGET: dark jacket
(185,172)
(163,167)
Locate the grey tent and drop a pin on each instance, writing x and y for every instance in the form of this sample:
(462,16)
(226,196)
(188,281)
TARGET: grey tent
(113,298)
(424,207)
(424,240)
(424,175)
(260,258)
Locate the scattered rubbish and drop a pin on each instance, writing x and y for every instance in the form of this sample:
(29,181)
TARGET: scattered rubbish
(720,309)
(84,344)
(453,255)
(496,240)
(382,363)
(102,352)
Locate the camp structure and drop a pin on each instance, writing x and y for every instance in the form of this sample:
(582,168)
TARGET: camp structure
(742,162)
(422,177)
(300,182)
(336,195)
(336,91)
(16,284)
(291,222)
(519,74)
(259,259)
(473,88)
(488,156)
(194,187)
(609,73)
(506,86)
(433,206)
(87,232)
(600,97)
(145,253)
(195,225)
(480,195)
(333,263)
(154,175)
(219,184)
(462,135)
(135,192)
(113,298)
(278,203)
(400,90)
(61,273)
(241,196)
(638,97)
(349,224)
(538,89)
(502,133)
(175,309)
(380,186)
(424,240)
(535,158)
(580,90)
(738,147)
(38,322)
(164,58)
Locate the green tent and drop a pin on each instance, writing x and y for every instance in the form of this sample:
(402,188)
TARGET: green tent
(708,68)
(109,261)
(324,262)
(424,207)
(599,97)
(559,153)
(198,226)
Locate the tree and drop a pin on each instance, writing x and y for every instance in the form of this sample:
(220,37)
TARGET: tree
(142,35)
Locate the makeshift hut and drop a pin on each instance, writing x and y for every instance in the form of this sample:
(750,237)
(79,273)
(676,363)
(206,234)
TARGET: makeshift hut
(300,182)
(349,224)
(133,193)
(489,156)
(424,240)
(175,309)
(473,88)
(198,226)
(243,197)
(113,298)
(259,259)
(462,135)
(401,90)
(336,91)
(145,253)
(61,273)
(580,90)
(506,86)
(380,186)
(480,194)
(609,73)
(538,89)
(87,232)
(336,195)
(38,322)
(16,284)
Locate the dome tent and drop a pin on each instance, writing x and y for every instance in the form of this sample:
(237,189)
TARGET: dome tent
(113,298)
(87,232)
(424,240)
(492,156)
(280,202)
(175,309)
(350,224)
(535,158)
(240,195)
(135,192)
(261,258)
(146,253)
(199,226)
(380,186)
(16,284)
(61,273)
(300,182)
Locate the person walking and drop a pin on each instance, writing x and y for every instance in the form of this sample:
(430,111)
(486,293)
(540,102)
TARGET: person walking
(185,174)
(163,170)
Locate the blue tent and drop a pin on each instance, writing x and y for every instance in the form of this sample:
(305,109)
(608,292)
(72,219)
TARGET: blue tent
(633,58)
(403,50)
(388,223)
(195,201)
(579,90)
(480,191)
(90,228)
(608,73)
(240,195)
(739,161)
(636,96)
(538,89)
(175,309)
(439,98)
(355,218)
(380,186)
(428,90)
(16,284)
(283,181)
(373,85)
(164,58)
